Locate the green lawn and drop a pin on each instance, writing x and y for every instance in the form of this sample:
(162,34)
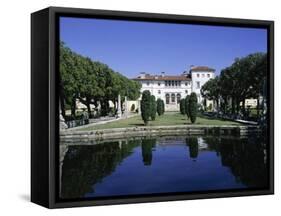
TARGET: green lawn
(169,118)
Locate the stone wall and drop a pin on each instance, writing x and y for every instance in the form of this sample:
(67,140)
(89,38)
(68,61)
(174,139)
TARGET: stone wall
(74,136)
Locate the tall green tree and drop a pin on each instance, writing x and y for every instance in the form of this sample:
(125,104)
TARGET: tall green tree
(182,106)
(153,107)
(69,87)
(243,79)
(258,72)
(211,90)
(159,107)
(163,107)
(193,106)
(91,82)
(187,106)
(145,106)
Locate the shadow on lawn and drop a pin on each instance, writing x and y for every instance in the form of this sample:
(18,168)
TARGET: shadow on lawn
(137,124)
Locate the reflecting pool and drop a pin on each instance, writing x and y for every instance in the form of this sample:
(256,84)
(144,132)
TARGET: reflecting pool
(163,165)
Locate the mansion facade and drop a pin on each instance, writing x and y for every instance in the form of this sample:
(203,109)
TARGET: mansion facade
(171,89)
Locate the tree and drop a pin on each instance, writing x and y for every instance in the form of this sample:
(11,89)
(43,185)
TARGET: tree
(163,107)
(242,80)
(187,106)
(68,77)
(182,106)
(88,85)
(91,82)
(258,73)
(159,107)
(145,106)
(153,107)
(211,90)
(193,107)
(245,75)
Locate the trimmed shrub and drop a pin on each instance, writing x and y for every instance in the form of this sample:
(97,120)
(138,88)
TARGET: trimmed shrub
(145,106)
(159,106)
(193,106)
(187,105)
(153,107)
(163,107)
(182,106)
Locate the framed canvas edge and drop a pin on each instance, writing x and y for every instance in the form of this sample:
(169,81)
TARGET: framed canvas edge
(53,124)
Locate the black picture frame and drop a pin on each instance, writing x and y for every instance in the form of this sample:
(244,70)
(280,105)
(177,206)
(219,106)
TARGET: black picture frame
(45,103)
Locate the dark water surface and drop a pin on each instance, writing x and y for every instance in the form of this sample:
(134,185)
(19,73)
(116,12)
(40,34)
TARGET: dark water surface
(164,165)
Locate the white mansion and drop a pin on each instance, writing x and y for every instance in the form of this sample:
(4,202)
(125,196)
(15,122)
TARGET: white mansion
(173,88)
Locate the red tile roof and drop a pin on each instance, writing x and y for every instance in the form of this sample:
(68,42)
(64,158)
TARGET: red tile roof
(165,77)
(202,68)
(182,77)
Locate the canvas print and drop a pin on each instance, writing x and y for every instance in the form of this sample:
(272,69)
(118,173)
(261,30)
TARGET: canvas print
(151,108)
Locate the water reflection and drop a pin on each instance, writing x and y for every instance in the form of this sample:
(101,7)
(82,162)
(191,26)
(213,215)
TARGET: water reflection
(166,164)
(192,143)
(84,166)
(146,148)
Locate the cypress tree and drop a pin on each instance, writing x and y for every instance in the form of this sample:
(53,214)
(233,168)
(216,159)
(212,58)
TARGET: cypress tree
(145,106)
(162,107)
(193,106)
(153,107)
(182,106)
(187,105)
(159,106)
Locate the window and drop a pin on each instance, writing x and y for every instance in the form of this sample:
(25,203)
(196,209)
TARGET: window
(203,75)
(159,91)
(147,83)
(159,84)
(198,75)
(208,75)
(197,84)
(167,98)
(173,83)
(169,83)
(178,98)
(166,83)
(173,98)
(186,91)
(186,83)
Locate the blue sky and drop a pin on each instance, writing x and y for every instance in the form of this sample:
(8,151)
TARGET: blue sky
(131,47)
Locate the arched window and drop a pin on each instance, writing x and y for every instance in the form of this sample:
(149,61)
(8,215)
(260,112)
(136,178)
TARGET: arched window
(178,97)
(167,98)
(173,98)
